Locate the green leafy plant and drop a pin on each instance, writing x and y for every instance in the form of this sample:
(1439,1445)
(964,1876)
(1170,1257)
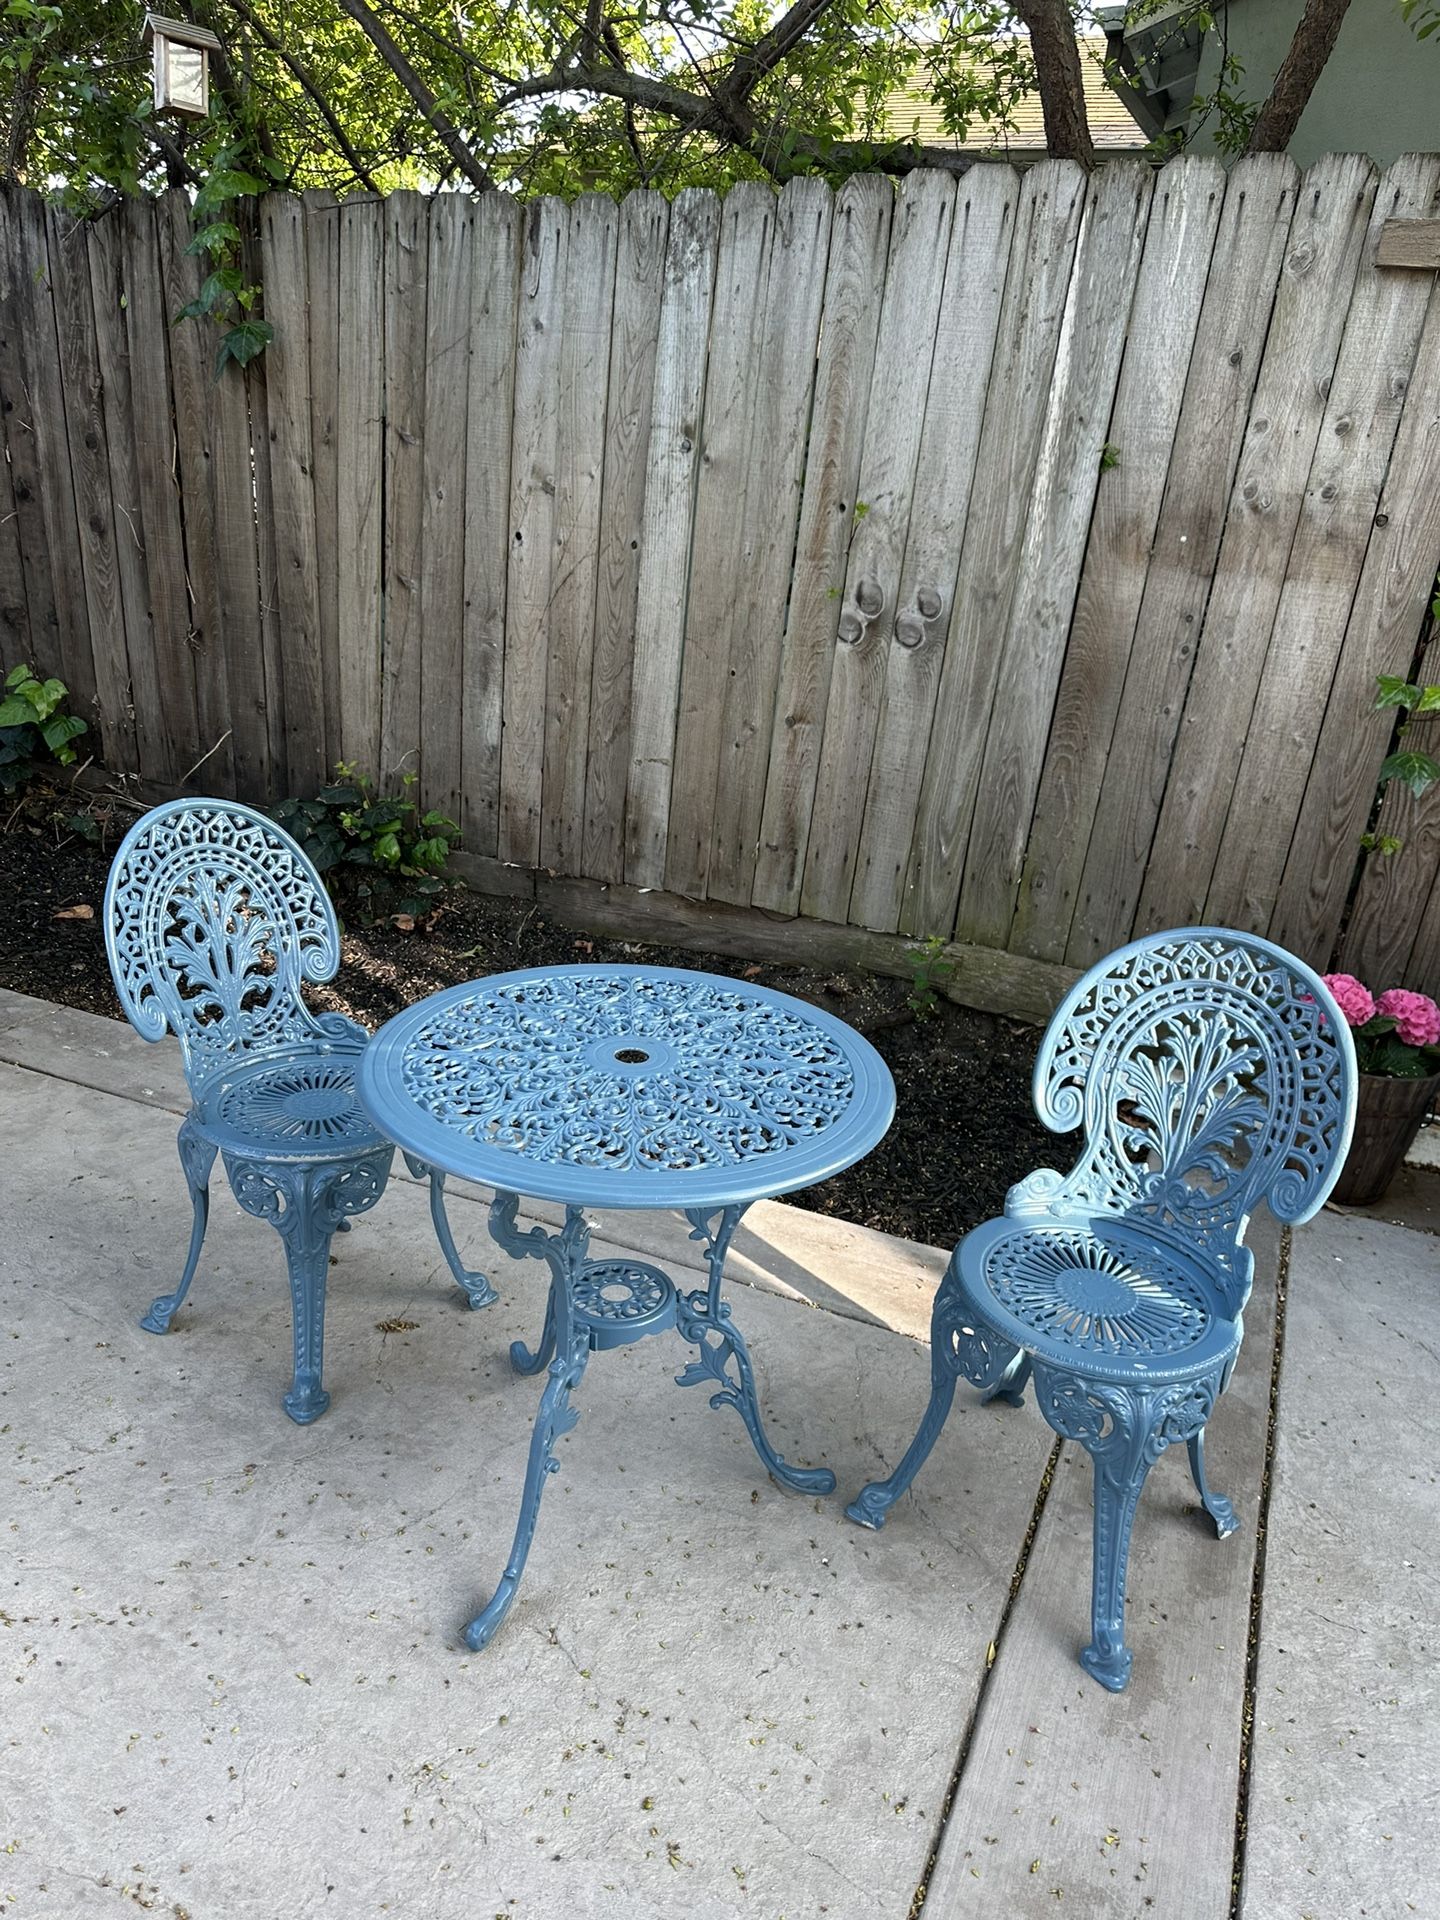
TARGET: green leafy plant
(382,858)
(929,972)
(35,730)
(1411,766)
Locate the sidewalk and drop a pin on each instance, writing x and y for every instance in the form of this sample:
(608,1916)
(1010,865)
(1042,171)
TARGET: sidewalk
(235,1685)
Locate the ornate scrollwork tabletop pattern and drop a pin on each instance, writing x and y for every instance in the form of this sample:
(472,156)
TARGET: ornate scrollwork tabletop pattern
(627,1086)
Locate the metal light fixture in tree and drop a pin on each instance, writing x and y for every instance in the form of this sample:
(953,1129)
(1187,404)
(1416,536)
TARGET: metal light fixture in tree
(182,64)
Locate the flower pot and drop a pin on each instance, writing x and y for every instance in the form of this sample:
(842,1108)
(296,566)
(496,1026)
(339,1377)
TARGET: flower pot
(1388,1114)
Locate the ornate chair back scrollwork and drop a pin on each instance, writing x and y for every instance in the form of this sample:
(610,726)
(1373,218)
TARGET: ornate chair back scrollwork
(213,919)
(1209,1071)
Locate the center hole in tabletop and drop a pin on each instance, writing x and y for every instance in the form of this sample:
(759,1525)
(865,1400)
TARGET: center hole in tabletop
(632,1056)
(615,1291)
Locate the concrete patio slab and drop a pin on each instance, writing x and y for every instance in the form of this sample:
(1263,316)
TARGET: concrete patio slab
(236,1680)
(1345,1797)
(233,1675)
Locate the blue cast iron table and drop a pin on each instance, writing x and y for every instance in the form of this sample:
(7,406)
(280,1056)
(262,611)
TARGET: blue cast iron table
(625,1087)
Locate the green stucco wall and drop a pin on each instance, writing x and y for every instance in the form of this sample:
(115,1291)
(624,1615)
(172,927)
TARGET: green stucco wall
(1379,93)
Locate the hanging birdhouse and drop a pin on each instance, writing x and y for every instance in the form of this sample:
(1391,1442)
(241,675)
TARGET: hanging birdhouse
(182,64)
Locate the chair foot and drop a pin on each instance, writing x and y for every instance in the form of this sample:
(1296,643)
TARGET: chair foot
(871,1505)
(305,1401)
(1221,1512)
(1109,1665)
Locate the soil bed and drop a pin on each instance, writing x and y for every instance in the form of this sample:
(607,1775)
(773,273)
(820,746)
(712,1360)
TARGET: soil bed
(964,1128)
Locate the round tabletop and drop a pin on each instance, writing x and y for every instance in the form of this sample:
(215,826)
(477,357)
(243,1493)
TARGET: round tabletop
(626,1087)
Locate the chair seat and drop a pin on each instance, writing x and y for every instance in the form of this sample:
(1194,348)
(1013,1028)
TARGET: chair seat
(301,1106)
(1098,1296)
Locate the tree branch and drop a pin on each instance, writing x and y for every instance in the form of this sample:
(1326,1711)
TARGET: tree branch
(311,86)
(1062,86)
(751,66)
(448,134)
(1290,92)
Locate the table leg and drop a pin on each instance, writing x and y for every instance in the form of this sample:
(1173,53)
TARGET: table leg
(565,1253)
(704,1320)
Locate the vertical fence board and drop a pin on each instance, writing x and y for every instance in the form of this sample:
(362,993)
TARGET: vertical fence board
(904,358)
(1051,204)
(954,411)
(1184,216)
(665,542)
(360,492)
(288,412)
(534,459)
(322,267)
(495,258)
(1285,419)
(190,376)
(33,628)
(630,388)
(746,237)
(442,575)
(157,480)
(238,490)
(1362,414)
(584,376)
(1245,265)
(1082,394)
(14,605)
(783,377)
(855,277)
(104,243)
(82,388)
(406,260)
(1380,637)
(46,408)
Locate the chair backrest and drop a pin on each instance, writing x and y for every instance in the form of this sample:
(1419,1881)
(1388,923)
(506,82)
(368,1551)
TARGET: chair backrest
(213,917)
(1210,1070)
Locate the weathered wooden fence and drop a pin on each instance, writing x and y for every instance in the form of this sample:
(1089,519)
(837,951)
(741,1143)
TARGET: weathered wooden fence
(1007,559)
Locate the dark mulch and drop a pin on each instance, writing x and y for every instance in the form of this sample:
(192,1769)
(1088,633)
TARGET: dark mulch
(963,1132)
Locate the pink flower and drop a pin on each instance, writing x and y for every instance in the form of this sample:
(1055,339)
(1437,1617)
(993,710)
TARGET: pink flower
(1416,1016)
(1353,999)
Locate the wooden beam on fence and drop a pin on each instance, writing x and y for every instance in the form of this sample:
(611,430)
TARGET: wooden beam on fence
(360,490)
(978,977)
(1409,242)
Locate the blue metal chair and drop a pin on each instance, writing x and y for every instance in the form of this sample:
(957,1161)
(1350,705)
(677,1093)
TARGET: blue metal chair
(1209,1070)
(213,918)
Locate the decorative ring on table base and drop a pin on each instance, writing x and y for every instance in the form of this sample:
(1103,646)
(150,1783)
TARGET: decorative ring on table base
(618,1301)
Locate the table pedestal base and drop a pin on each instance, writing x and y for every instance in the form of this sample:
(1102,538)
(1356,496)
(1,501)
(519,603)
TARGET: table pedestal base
(595,1304)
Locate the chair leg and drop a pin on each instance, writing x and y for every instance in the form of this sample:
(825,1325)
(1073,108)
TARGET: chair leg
(1215,1504)
(197,1157)
(305,1205)
(957,1346)
(1124,1430)
(1011,1385)
(475,1286)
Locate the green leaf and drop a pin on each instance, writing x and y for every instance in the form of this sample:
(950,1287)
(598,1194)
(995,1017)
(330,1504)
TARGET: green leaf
(16,712)
(215,237)
(243,342)
(1429,701)
(1417,771)
(1395,691)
